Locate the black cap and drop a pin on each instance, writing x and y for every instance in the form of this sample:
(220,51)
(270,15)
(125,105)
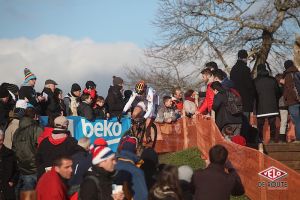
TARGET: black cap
(288,64)
(3,92)
(90,84)
(242,54)
(75,87)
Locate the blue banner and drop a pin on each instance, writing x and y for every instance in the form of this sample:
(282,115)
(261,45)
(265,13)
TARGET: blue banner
(111,130)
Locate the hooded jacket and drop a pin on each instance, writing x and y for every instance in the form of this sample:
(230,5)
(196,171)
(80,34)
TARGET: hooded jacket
(114,101)
(289,93)
(28,92)
(85,110)
(25,145)
(51,105)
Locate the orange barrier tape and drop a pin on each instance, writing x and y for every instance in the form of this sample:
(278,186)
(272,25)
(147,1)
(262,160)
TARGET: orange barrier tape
(249,162)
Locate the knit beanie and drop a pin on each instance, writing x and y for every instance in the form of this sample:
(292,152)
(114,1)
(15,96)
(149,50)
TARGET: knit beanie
(100,154)
(117,80)
(28,75)
(90,84)
(129,144)
(19,113)
(288,64)
(75,87)
(3,92)
(185,173)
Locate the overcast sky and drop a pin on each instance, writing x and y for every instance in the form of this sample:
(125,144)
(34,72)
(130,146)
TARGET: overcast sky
(73,40)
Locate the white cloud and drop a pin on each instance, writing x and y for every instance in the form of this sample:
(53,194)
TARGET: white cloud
(66,60)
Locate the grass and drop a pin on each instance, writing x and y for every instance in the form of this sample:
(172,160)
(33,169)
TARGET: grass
(189,157)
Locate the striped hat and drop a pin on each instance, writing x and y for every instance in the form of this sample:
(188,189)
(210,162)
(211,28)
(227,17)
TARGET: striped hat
(28,75)
(101,153)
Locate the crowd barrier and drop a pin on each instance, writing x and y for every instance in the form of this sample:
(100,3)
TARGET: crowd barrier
(248,162)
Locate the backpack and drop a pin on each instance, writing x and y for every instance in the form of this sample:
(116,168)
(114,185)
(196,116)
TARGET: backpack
(96,181)
(234,103)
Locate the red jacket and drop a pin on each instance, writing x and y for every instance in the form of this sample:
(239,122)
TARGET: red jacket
(208,101)
(50,186)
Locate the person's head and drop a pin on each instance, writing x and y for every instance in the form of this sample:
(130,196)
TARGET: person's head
(61,123)
(13,88)
(1,138)
(63,166)
(167,101)
(219,75)
(140,87)
(86,98)
(85,143)
(288,64)
(31,113)
(4,95)
(188,93)
(185,173)
(90,85)
(128,143)
(242,55)
(104,157)
(211,65)
(18,113)
(177,93)
(51,84)
(30,78)
(218,154)
(76,90)
(217,87)
(262,70)
(118,81)
(206,74)
(100,101)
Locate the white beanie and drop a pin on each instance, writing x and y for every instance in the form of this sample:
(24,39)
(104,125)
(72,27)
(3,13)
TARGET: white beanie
(185,173)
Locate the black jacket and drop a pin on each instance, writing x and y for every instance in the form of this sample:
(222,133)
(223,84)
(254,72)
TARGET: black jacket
(241,77)
(28,92)
(213,183)
(268,93)
(8,172)
(115,101)
(85,110)
(4,110)
(223,116)
(25,145)
(88,189)
(51,106)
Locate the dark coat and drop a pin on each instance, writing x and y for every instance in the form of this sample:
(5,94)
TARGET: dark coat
(85,110)
(267,97)
(115,101)
(88,189)
(51,106)
(223,116)
(28,92)
(241,77)
(25,145)
(4,110)
(8,172)
(213,183)
(100,112)
(289,94)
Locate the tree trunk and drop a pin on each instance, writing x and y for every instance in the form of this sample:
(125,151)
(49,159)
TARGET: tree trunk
(263,53)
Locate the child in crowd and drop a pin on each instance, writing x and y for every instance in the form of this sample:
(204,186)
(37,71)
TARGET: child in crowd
(100,109)
(166,113)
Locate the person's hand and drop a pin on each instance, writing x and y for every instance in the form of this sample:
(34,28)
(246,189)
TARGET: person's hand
(10,183)
(118,196)
(107,115)
(41,98)
(169,120)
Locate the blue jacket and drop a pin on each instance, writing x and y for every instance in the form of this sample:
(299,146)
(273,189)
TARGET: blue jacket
(126,162)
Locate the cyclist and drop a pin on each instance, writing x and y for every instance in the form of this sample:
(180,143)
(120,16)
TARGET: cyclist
(145,102)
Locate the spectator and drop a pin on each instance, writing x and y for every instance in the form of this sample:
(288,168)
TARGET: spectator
(47,129)
(221,76)
(189,105)
(72,100)
(13,95)
(212,66)
(52,184)
(58,143)
(27,91)
(149,166)
(25,146)
(8,171)
(84,109)
(290,94)
(241,76)
(114,98)
(82,161)
(129,172)
(268,94)
(4,107)
(97,183)
(166,113)
(167,186)
(185,174)
(206,105)
(90,88)
(51,104)
(13,125)
(58,95)
(213,182)
(100,110)
(177,100)
(223,116)
(283,109)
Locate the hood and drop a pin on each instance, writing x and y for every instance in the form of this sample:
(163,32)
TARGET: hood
(115,88)
(26,121)
(128,155)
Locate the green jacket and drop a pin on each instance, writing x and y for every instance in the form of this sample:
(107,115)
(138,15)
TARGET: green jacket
(25,145)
